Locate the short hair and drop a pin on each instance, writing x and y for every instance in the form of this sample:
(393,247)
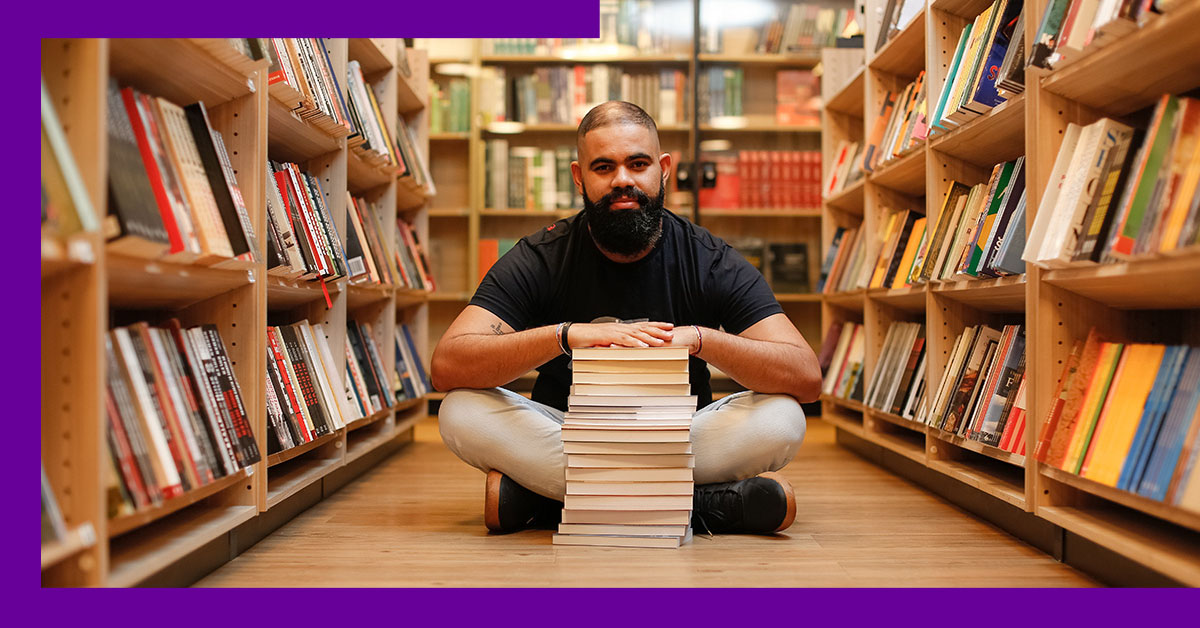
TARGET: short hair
(614,112)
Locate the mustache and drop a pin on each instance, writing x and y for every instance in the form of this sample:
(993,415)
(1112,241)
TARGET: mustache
(605,202)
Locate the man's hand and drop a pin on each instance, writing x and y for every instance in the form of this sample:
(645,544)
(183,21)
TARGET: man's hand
(687,336)
(648,334)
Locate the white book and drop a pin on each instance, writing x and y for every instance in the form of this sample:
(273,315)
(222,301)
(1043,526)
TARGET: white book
(324,378)
(629,353)
(1041,220)
(620,541)
(627,502)
(1070,195)
(603,529)
(637,517)
(630,488)
(349,411)
(625,447)
(632,401)
(658,390)
(630,461)
(629,424)
(655,435)
(579,367)
(629,378)
(600,474)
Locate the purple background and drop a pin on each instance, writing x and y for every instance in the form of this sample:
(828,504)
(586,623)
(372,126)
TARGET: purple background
(674,607)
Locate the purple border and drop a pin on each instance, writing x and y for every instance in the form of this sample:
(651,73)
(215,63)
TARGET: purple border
(565,18)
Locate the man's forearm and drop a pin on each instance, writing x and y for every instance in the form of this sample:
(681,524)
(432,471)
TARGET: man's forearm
(764,366)
(490,360)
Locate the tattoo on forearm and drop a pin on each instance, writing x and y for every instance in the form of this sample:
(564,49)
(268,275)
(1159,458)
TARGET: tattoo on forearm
(496,329)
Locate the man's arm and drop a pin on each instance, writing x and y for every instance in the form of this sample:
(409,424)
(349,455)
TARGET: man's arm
(479,350)
(771,356)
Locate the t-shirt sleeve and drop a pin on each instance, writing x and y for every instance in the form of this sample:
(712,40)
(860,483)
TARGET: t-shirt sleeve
(741,294)
(514,287)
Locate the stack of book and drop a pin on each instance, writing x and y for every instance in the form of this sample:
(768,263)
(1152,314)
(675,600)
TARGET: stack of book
(984,47)
(1117,193)
(899,375)
(981,395)
(301,76)
(627,438)
(1073,29)
(411,380)
(176,419)
(1127,415)
(900,125)
(764,179)
(843,353)
(306,398)
(529,177)
(302,237)
(172,189)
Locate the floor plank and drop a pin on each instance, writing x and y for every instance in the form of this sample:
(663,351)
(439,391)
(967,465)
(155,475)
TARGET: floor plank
(416,520)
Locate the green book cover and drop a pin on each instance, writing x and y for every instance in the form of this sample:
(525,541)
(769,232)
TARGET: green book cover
(1158,148)
(936,118)
(1090,421)
(1002,187)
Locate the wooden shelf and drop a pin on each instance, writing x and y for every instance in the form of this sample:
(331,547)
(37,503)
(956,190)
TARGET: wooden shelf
(911,447)
(281,457)
(449,213)
(904,54)
(911,298)
(1132,66)
(567,57)
(362,175)
(848,404)
(61,255)
(962,8)
(1149,284)
(794,61)
(147,284)
(987,450)
(897,420)
(803,297)
(359,295)
(298,475)
(850,98)
(839,418)
(403,424)
(450,297)
(850,199)
(760,127)
(371,55)
(360,446)
(78,539)
(409,195)
(127,523)
(1166,548)
(1004,294)
(410,97)
(761,213)
(407,297)
(853,299)
(288,293)
(905,173)
(976,474)
(1166,512)
(367,420)
(193,74)
(450,136)
(293,139)
(139,556)
(989,139)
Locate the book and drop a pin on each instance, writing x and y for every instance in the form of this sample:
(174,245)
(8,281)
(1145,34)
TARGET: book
(134,225)
(67,207)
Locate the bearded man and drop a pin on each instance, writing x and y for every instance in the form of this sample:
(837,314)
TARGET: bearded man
(578,283)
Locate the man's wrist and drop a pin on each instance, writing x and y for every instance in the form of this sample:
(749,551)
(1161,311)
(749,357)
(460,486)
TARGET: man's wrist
(560,334)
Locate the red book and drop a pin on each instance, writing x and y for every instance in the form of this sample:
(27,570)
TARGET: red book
(124,453)
(489,253)
(291,397)
(156,178)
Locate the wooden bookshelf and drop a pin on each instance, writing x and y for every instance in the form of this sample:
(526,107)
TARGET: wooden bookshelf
(1152,299)
(87,289)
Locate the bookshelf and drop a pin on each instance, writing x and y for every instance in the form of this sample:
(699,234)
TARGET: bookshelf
(1146,300)
(86,290)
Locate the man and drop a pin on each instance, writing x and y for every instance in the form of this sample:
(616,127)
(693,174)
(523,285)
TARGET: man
(624,257)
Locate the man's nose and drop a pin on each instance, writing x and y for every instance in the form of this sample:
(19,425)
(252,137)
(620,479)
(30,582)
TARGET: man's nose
(622,178)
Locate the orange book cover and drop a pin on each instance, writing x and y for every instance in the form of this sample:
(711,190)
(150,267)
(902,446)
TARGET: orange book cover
(1072,399)
(1119,421)
(489,253)
(1108,368)
(910,251)
(887,244)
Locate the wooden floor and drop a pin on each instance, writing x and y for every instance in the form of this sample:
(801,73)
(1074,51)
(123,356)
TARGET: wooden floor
(417,520)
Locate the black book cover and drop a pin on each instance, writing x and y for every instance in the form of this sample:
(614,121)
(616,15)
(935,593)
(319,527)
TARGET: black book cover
(337,256)
(354,251)
(1099,224)
(308,388)
(130,196)
(204,439)
(353,336)
(285,405)
(177,448)
(292,206)
(897,253)
(242,431)
(239,203)
(211,379)
(201,388)
(133,432)
(206,145)
(376,358)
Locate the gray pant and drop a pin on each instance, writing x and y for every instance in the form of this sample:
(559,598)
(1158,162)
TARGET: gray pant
(737,437)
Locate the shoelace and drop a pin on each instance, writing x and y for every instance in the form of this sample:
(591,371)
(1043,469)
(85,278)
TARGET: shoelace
(711,501)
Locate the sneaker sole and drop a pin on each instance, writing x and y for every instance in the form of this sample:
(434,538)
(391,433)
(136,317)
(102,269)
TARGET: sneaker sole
(790,516)
(491,501)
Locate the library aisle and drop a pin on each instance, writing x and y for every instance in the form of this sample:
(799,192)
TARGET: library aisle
(417,520)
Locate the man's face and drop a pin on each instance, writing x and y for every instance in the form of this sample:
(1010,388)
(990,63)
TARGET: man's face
(621,174)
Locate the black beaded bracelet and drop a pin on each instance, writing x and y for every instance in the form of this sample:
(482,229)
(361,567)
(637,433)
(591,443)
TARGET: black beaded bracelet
(562,339)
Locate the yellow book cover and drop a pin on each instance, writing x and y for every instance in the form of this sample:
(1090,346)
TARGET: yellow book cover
(1177,213)
(882,259)
(910,251)
(1117,425)
(1093,402)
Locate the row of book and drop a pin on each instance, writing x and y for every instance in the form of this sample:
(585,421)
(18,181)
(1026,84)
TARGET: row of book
(369,135)
(172,191)
(900,125)
(783,264)
(897,15)
(842,360)
(797,98)
(626,27)
(66,207)
(415,273)
(303,241)
(986,60)
(980,231)
(301,75)
(176,418)
(846,168)
(1127,415)
(368,255)
(1118,192)
(1073,29)
(763,179)
(450,106)
(491,250)
(564,94)
(626,435)
(529,177)
(898,378)
(981,394)
(306,398)
(412,381)
(721,90)
(798,27)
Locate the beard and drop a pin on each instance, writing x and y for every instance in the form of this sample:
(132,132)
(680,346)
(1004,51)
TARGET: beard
(625,232)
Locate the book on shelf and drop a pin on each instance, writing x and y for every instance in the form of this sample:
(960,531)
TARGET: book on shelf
(754,249)
(450,103)
(528,177)
(846,168)
(315,235)
(626,436)
(311,399)
(54,526)
(1117,193)
(897,364)
(411,260)
(1073,29)
(897,15)
(905,125)
(66,207)
(410,372)
(369,135)
(970,88)
(133,225)
(176,419)
(793,28)
(563,94)
(721,90)
(843,378)
(307,84)
(797,98)
(763,179)
(1126,415)
(788,267)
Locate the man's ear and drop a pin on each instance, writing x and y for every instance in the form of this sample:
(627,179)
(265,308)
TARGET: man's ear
(577,175)
(666,163)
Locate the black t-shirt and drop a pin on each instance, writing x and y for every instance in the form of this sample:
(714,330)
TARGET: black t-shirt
(558,274)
